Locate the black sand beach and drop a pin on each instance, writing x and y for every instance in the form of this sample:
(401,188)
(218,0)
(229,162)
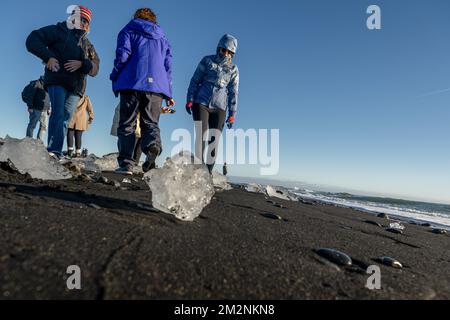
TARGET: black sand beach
(233,251)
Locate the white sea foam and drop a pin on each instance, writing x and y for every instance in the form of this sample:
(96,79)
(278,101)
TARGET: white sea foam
(436,218)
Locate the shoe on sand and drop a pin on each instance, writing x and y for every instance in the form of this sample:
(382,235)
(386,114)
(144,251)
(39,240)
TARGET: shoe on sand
(124,170)
(152,154)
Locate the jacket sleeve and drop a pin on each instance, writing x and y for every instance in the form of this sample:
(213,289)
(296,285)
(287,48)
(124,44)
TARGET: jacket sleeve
(168,65)
(233,91)
(91,65)
(39,40)
(196,81)
(123,53)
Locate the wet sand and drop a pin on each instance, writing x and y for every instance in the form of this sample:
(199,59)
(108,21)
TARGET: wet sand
(234,250)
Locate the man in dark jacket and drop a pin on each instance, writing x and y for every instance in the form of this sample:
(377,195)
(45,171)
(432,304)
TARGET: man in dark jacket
(69,57)
(38,107)
(142,76)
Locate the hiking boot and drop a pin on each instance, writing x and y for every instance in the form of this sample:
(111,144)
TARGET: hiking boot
(124,170)
(152,154)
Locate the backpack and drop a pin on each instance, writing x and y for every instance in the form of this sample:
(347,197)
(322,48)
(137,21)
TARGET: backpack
(28,93)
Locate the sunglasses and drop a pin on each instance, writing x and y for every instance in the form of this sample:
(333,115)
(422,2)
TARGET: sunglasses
(225,51)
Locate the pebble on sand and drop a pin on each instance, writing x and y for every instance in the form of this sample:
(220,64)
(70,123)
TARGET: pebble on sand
(393,230)
(102,179)
(335,256)
(373,223)
(439,231)
(391,262)
(94,206)
(271,216)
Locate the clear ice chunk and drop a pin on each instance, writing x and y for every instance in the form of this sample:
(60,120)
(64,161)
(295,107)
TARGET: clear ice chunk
(93,163)
(31,156)
(255,188)
(397,226)
(181,188)
(280,193)
(107,162)
(220,181)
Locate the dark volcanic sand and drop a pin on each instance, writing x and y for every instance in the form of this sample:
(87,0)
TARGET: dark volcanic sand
(230,252)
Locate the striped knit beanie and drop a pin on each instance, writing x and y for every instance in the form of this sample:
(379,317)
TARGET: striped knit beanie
(85,13)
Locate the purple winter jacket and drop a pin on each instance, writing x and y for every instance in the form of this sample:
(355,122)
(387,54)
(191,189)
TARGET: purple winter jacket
(143,59)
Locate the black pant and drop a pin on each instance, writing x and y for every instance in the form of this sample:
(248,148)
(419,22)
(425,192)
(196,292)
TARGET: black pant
(149,106)
(211,119)
(71,133)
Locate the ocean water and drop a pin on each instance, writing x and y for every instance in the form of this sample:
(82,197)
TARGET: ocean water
(436,214)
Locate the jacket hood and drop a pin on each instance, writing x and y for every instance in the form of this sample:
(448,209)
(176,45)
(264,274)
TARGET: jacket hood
(146,28)
(228,42)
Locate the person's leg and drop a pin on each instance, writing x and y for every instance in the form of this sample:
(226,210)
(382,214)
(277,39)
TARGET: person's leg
(70,106)
(43,124)
(200,115)
(216,123)
(151,145)
(129,104)
(70,136)
(34,118)
(56,123)
(78,142)
(150,109)
(137,151)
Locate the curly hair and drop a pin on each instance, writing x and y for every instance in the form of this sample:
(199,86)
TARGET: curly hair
(146,14)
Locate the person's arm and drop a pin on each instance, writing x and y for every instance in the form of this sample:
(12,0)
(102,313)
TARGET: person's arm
(168,65)
(196,81)
(91,65)
(233,91)
(39,40)
(123,54)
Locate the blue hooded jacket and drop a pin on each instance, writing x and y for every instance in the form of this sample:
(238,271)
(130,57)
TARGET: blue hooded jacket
(215,83)
(143,59)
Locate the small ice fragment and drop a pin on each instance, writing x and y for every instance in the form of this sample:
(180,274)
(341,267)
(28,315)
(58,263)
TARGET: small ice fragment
(281,193)
(396,226)
(255,188)
(220,181)
(107,162)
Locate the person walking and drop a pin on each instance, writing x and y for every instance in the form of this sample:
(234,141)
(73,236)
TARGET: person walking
(38,102)
(212,91)
(142,76)
(79,124)
(69,58)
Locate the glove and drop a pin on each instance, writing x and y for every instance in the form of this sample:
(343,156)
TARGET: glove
(189,107)
(230,122)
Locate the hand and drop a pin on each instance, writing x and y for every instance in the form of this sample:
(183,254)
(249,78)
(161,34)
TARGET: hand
(73,65)
(90,121)
(230,122)
(49,111)
(53,65)
(170,103)
(30,110)
(189,107)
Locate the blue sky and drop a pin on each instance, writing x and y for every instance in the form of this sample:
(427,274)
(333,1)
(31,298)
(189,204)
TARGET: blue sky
(351,104)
